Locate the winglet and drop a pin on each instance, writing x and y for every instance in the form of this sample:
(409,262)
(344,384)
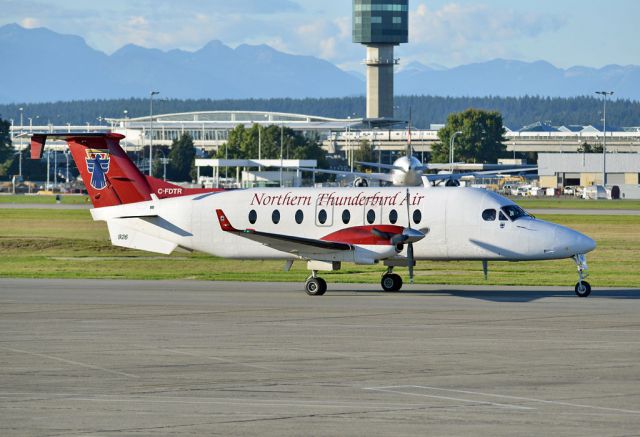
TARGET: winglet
(225,225)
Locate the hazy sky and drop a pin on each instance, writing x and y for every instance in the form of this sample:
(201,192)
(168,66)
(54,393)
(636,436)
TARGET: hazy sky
(564,32)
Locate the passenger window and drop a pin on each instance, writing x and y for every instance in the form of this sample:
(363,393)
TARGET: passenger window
(393,216)
(275,216)
(346,216)
(489,215)
(299,216)
(322,216)
(253,216)
(417,216)
(371,216)
(503,217)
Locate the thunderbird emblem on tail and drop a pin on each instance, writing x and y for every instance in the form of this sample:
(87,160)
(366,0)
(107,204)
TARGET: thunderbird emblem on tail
(98,166)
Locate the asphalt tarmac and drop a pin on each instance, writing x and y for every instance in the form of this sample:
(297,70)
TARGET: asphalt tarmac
(149,358)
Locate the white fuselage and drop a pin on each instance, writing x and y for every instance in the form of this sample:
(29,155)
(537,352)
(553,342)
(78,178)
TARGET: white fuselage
(451,218)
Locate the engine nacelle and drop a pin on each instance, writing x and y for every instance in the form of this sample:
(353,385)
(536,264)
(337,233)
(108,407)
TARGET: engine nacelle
(360,182)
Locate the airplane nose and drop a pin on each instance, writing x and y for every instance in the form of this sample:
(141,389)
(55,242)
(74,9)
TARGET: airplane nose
(573,242)
(584,244)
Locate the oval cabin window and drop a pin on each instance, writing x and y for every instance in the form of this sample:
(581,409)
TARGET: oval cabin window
(322,217)
(417,216)
(346,216)
(371,216)
(393,216)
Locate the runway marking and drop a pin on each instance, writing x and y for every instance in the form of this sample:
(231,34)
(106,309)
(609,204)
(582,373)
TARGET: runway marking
(518,398)
(448,398)
(76,363)
(271,369)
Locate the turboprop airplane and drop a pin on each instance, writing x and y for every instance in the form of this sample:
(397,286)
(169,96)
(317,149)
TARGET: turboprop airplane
(324,227)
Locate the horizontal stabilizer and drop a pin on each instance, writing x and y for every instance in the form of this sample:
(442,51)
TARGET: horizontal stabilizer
(125,236)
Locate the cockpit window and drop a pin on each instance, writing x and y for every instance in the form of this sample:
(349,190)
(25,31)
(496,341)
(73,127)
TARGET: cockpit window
(514,212)
(489,215)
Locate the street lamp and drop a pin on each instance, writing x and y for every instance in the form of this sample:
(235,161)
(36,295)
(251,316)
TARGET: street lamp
(20,157)
(453,137)
(281,149)
(125,129)
(164,161)
(151,94)
(604,94)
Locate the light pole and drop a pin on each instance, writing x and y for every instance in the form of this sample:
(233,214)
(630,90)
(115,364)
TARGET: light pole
(20,157)
(55,168)
(48,168)
(453,137)
(281,149)
(125,129)
(151,94)
(164,161)
(349,151)
(605,94)
(66,155)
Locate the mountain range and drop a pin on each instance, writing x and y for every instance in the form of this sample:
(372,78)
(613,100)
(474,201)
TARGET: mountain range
(41,65)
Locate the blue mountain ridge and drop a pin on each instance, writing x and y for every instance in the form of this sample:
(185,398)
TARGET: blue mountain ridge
(42,65)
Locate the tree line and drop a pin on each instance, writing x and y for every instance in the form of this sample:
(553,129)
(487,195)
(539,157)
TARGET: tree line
(517,112)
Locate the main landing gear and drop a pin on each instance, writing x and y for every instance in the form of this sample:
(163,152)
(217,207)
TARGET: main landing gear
(315,285)
(583,288)
(391,281)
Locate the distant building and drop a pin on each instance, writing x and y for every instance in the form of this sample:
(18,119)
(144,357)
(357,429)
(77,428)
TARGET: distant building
(585,169)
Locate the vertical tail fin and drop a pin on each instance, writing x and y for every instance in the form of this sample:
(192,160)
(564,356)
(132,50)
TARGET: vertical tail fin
(110,177)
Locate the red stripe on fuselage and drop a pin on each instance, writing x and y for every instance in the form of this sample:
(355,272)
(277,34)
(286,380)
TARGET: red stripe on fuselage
(363,235)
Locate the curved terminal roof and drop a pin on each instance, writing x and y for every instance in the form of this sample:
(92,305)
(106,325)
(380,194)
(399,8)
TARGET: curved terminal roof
(230,119)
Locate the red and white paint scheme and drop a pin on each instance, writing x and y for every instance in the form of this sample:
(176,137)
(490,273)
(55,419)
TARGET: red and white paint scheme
(325,227)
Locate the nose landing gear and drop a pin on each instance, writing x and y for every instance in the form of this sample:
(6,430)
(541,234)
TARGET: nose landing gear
(583,288)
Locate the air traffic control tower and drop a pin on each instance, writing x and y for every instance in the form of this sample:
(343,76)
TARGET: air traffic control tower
(380,25)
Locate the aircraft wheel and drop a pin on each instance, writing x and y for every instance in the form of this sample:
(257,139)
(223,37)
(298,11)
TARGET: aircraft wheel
(391,282)
(583,289)
(315,286)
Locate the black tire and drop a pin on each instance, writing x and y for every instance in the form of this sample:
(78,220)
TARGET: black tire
(323,286)
(391,282)
(315,286)
(583,289)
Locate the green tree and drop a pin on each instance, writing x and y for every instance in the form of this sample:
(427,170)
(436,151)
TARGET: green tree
(6,151)
(181,159)
(482,138)
(588,148)
(364,153)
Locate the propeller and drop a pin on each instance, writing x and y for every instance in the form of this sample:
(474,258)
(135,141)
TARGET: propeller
(408,237)
(410,257)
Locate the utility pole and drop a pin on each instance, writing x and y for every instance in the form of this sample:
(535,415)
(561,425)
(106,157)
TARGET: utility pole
(605,94)
(151,94)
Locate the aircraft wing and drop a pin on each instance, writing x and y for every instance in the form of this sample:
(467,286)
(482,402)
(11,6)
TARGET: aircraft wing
(377,176)
(285,243)
(379,165)
(456,176)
